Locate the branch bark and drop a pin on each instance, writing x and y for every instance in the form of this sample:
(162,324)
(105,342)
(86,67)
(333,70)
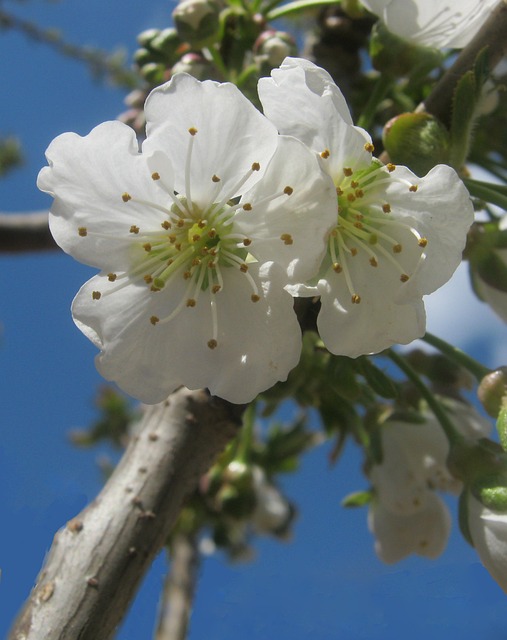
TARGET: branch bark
(179,588)
(98,559)
(25,232)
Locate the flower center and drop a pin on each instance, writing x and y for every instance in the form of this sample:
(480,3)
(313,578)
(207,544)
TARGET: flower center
(365,226)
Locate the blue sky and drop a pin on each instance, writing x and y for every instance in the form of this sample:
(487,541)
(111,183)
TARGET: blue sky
(327,581)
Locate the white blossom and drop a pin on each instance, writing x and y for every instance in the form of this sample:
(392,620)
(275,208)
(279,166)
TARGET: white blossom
(397,237)
(196,238)
(433,23)
(488,530)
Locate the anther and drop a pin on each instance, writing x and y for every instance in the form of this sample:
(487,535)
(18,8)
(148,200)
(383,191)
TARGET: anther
(111,277)
(356,299)
(147,246)
(148,279)
(196,238)
(216,288)
(243,268)
(288,191)
(337,268)
(422,242)
(154,320)
(154,288)
(413,188)
(254,297)
(256,166)
(247,242)
(369,147)
(247,206)
(354,184)
(359,193)
(351,197)
(404,277)
(134,229)
(353,251)
(201,224)
(187,275)
(180,223)
(96,295)
(191,302)
(373,262)
(215,178)
(212,344)
(339,192)
(192,131)
(212,233)
(347,171)
(390,167)
(286,238)
(83,232)
(166,225)
(126,197)
(325,154)
(155,175)
(386,208)
(397,248)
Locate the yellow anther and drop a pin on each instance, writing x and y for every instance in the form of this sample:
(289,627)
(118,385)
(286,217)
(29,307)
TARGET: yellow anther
(126,197)
(154,320)
(201,224)
(351,197)
(211,264)
(369,147)
(212,233)
(166,225)
(96,295)
(286,238)
(215,178)
(422,242)
(147,246)
(212,344)
(386,208)
(187,275)
(177,246)
(196,238)
(254,297)
(243,268)
(180,223)
(397,248)
(155,175)
(288,191)
(347,171)
(111,277)
(354,184)
(192,131)
(148,279)
(169,262)
(373,262)
(325,154)
(154,288)
(256,166)
(337,268)
(413,188)
(390,167)
(353,252)
(404,277)
(247,242)
(358,225)
(172,238)
(356,299)
(134,229)
(191,302)
(215,288)
(82,231)
(196,262)
(359,193)
(247,206)
(339,192)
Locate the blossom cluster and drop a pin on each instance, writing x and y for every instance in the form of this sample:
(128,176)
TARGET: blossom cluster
(205,233)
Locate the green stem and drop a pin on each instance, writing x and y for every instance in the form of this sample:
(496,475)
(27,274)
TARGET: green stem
(218,61)
(294,7)
(494,194)
(477,369)
(246,434)
(377,95)
(454,437)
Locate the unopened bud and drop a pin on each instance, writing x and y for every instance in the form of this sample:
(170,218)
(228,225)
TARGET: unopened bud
(195,65)
(492,391)
(197,21)
(272,47)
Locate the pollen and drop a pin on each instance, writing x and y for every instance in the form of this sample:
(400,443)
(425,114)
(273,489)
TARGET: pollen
(355,299)
(256,166)
(286,238)
(390,167)
(83,232)
(422,242)
(288,191)
(247,206)
(111,277)
(413,188)
(96,295)
(404,277)
(192,131)
(154,320)
(134,229)
(254,297)
(155,175)
(325,154)
(126,197)
(212,344)
(215,178)
(369,147)
(386,208)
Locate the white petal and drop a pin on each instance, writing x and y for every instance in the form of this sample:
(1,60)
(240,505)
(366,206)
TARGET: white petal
(231,134)
(291,229)
(425,532)
(489,535)
(258,343)
(87,176)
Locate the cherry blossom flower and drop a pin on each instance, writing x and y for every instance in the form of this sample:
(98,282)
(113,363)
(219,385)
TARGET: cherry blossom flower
(396,238)
(488,530)
(433,23)
(196,238)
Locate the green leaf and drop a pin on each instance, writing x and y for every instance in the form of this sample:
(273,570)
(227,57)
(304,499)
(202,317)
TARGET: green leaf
(377,379)
(501,427)
(357,499)
(295,7)
(463,517)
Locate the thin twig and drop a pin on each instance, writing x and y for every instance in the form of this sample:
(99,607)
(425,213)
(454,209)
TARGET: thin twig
(25,232)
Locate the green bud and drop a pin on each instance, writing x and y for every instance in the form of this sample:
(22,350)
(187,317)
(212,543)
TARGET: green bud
(142,57)
(154,72)
(197,21)
(357,499)
(379,382)
(167,43)
(492,492)
(416,140)
(195,65)
(145,37)
(398,57)
(491,392)
(272,47)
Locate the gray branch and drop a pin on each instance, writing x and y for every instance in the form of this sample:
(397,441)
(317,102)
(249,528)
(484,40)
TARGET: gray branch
(179,589)
(25,232)
(98,559)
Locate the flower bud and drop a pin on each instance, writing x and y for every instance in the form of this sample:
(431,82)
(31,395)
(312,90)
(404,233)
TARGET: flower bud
(197,21)
(145,37)
(272,47)
(167,43)
(154,72)
(416,140)
(492,390)
(195,65)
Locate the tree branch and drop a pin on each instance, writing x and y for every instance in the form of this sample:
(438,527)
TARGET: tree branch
(25,232)
(179,588)
(97,560)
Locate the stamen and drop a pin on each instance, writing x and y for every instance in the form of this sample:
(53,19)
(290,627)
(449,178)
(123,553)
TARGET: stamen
(83,232)
(192,131)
